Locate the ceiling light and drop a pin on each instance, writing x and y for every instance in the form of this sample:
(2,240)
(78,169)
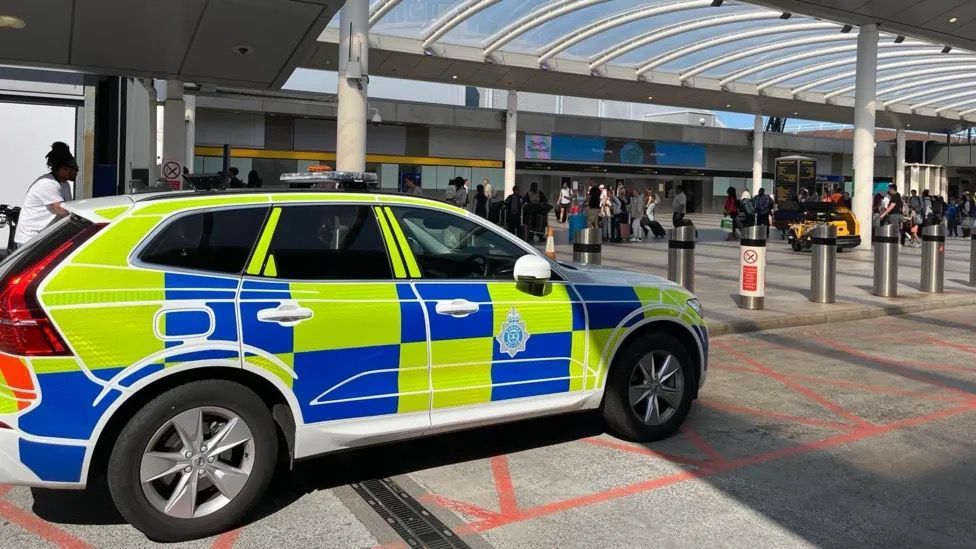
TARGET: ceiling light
(846,29)
(953,19)
(908,125)
(947,49)
(716,3)
(899,39)
(785,15)
(453,77)
(650,97)
(11,22)
(728,105)
(796,113)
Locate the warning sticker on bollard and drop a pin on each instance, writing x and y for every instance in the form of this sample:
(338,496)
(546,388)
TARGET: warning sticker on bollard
(752,274)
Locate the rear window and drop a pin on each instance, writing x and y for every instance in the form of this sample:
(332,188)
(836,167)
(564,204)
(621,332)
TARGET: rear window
(48,240)
(218,241)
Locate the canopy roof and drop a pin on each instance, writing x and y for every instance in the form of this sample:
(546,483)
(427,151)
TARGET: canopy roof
(695,53)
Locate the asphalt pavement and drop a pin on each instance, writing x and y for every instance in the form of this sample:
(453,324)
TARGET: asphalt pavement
(857,433)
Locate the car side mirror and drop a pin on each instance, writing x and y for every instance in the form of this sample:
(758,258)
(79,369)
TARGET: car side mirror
(532,274)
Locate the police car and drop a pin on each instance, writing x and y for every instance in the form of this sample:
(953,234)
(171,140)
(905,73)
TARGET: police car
(181,344)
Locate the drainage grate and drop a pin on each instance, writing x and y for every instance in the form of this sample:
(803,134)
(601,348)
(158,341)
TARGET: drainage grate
(408,518)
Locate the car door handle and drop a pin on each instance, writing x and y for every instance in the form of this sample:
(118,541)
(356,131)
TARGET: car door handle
(286,314)
(458,308)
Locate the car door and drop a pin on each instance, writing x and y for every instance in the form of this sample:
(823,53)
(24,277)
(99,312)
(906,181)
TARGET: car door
(494,348)
(322,309)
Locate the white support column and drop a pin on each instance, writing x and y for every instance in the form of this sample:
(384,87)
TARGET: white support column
(757,155)
(153,137)
(900,162)
(353,80)
(865,107)
(190,117)
(174,123)
(86,160)
(511,127)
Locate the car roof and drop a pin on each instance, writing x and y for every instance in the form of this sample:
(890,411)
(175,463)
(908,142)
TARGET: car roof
(106,209)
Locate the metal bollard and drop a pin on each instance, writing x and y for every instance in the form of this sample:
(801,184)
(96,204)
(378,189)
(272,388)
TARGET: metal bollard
(885,240)
(933,259)
(823,271)
(752,268)
(681,256)
(587,246)
(972,260)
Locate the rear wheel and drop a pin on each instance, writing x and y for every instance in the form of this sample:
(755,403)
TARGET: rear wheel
(194,461)
(649,389)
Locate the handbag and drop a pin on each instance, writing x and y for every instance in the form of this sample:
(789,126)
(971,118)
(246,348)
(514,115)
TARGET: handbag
(727,224)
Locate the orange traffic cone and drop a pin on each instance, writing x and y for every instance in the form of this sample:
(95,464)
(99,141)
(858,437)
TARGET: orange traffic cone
(550,244)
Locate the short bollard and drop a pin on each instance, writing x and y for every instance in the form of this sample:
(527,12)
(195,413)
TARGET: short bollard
(885,242)
(681,256)
(752,268)
(587,246)
(972,260)
(823,271)
(933,259)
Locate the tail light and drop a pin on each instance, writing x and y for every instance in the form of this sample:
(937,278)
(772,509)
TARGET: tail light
(25,329)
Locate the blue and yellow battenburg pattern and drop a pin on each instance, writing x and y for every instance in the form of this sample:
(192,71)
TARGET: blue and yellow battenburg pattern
(370,349)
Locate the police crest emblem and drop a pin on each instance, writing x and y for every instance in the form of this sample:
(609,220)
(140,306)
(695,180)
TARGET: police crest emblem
(513,335)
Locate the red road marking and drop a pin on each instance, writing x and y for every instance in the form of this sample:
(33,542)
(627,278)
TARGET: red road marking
(469,509)
(615,445)
(503,485)
(865,432)
(228,539)
(40,527)
(964,348)
(903,370)
(773,415)
(787,381)
(711,454)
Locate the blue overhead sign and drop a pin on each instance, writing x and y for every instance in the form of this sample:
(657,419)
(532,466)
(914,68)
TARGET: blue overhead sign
(621,151)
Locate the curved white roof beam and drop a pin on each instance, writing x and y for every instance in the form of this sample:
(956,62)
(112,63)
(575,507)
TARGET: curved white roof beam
(816,68)
(933,80)
(537,17)
(453,18)
(759,50)
(967,111)
(941,98)
(955,106)
(563,43)
(734,37)
(933,91)
(793,58)
(940,60)
(679,28)
(381,8)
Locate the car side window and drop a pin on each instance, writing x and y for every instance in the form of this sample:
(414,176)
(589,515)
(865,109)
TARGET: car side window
(333,242)
(449,246)
(219,241)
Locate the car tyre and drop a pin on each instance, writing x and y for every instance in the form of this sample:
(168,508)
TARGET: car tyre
(138,445)
(629,379)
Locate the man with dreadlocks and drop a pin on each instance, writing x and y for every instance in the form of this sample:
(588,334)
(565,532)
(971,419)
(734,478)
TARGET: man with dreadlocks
(46,196)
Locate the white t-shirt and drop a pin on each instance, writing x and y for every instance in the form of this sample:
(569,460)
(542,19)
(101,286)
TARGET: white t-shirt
(34,214)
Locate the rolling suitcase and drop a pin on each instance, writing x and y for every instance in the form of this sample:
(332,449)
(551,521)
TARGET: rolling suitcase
(658,230)
(577,222)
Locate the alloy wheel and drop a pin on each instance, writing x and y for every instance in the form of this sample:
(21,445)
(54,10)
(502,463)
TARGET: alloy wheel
(656,387)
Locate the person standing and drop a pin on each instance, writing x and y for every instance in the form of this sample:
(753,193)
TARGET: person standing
(46,196)
(731,210)
(679,207)
(636,211)
(764,208)
(460,198)
(952,219)
(235,182)
(565,199)
(914,201)
(513,211)
(593,207)
(254,180)
(411,187)
(480,202)
(892,214)
(616,213)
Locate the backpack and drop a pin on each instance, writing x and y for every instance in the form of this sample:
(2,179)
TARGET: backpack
(938,207)
(748,207)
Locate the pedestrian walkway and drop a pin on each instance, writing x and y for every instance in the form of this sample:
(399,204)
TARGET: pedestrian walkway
(788,279)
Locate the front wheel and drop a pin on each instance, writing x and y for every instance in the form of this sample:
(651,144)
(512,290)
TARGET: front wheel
(649,389)
(194,461)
